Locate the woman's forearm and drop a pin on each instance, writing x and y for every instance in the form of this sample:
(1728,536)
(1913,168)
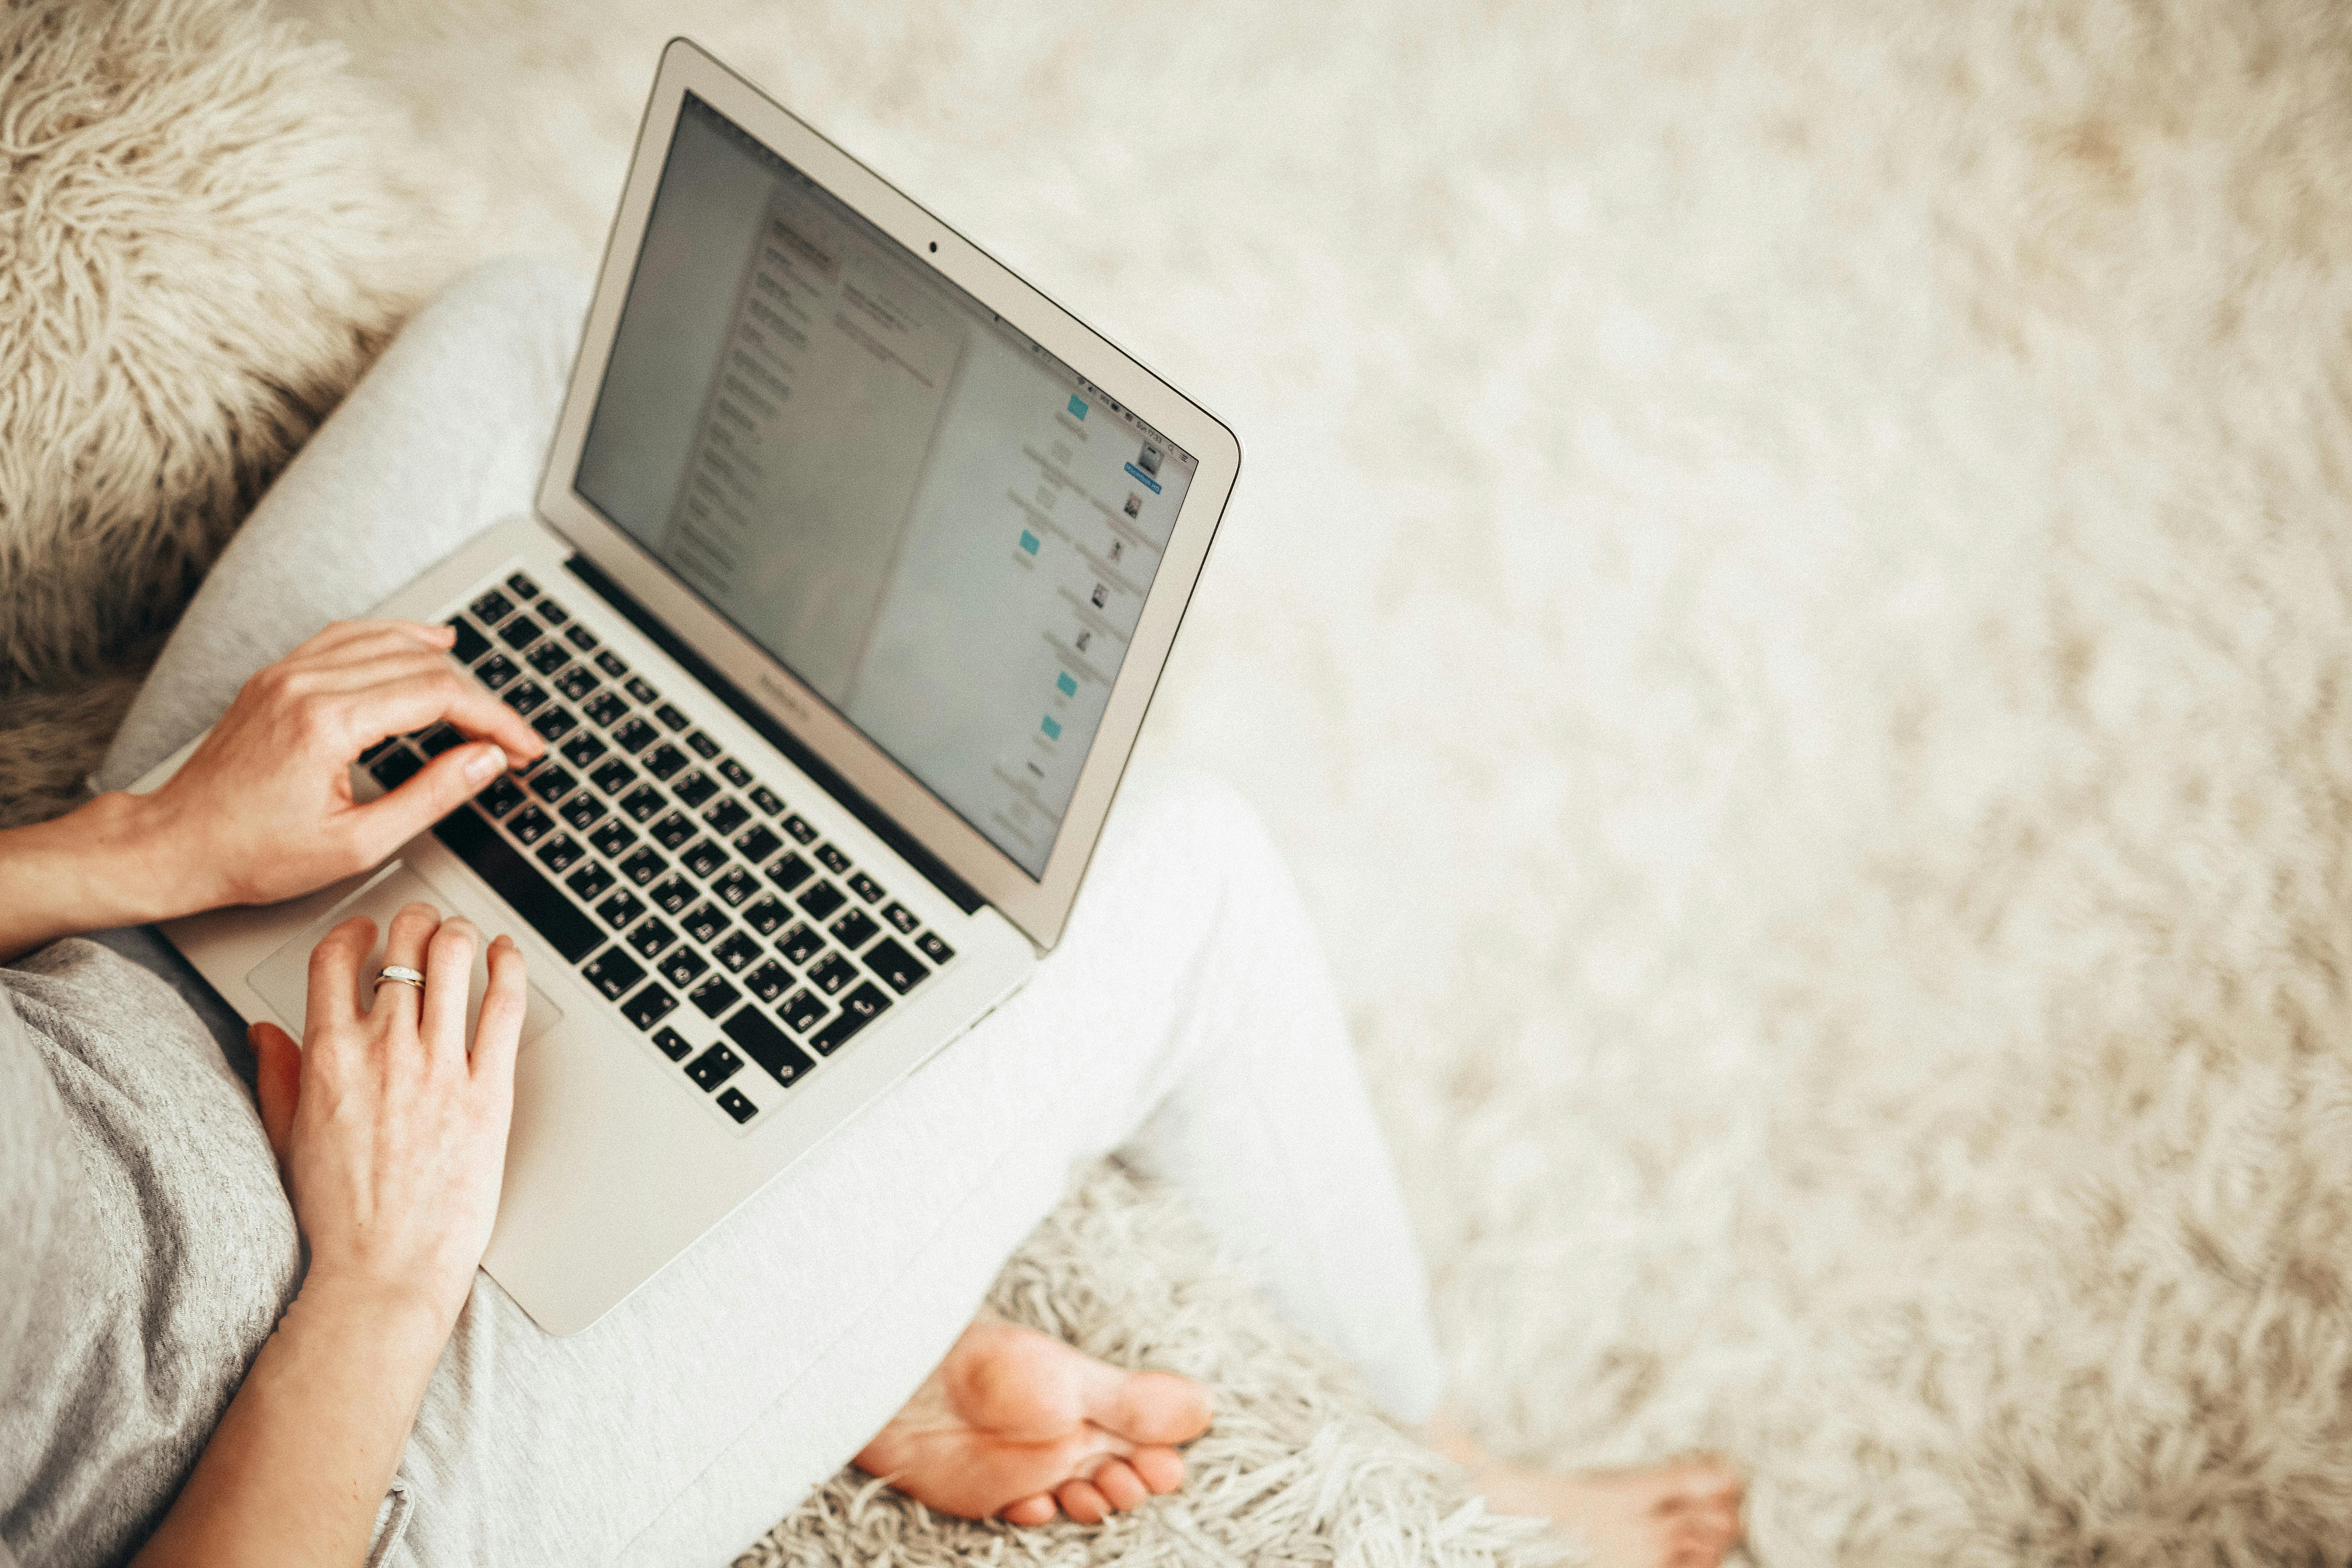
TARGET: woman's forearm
(300,1463)
(106,864)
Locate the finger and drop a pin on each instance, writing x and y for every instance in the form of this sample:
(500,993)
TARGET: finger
(447,782)
(333,995)
(1120,1487)
(413,698)
(498,1034)
(449,982)
(404,944)
(370,647)
(1032,1511)
(278,1084)
(1082,1502)
(339,635)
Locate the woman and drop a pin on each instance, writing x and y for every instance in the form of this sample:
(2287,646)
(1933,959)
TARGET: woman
(181,1383)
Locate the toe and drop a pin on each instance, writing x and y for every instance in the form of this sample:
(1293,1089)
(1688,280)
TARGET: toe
(1161,1469)
(1120,1486)
(1038,1509)
(1149,1406)
(1082,1502)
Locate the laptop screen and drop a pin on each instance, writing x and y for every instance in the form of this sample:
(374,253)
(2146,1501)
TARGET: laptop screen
(941,529)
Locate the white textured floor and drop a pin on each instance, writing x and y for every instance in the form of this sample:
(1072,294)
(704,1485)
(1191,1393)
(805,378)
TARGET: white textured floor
(1787,595)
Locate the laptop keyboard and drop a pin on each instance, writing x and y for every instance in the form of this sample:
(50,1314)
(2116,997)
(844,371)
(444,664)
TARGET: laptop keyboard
(709,914)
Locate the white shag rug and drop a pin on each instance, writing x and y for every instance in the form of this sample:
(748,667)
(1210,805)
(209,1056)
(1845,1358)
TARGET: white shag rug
(1789,598)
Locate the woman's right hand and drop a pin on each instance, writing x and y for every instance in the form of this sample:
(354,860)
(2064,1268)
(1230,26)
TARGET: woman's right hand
(390,1125)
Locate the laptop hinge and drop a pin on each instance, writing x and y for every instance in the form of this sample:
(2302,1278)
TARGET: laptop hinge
(931,867)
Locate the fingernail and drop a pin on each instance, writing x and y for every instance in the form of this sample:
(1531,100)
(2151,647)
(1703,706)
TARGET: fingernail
(486,763)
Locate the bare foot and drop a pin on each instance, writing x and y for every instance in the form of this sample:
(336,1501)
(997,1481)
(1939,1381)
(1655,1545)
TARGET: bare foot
(1014,1423)
(1680,1515)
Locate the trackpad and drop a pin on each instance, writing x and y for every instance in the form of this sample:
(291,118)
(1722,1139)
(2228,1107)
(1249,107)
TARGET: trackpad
(283,979)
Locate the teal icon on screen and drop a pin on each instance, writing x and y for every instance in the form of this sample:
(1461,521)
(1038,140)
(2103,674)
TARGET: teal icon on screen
(1028,541)
(1052,728)
(1067,683)
(1077,406)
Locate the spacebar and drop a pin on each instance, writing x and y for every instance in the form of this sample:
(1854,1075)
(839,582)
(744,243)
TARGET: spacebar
(555,917)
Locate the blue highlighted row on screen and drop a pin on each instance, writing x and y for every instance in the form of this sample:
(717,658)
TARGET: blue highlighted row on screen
(1028,541)
(1068,682)
(1052,728)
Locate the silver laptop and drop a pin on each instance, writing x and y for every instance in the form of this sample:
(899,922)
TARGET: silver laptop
(854,567)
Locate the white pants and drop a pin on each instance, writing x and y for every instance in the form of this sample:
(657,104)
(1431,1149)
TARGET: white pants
(1185,1020)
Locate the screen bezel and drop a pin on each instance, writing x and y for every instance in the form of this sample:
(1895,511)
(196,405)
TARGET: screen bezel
(1040,906)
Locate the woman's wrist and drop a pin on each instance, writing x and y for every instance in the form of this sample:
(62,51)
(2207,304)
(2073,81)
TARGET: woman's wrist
(112,862)
(403,1329)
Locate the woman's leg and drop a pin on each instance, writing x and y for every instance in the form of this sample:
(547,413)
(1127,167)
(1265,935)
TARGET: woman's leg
(445,436)
(1184,1016)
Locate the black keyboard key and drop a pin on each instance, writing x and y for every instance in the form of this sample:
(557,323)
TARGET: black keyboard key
(500,795)
(439,739)
(714,1067)
(673,830)
(669,715)
(590,881)
(643,866)
(854,930)
(683,967)
(620,908)
(379,748)
(714,996)
(756,843)
(519,633)
(769,981)
(859,1008)
(583,750)
(610,663)
(576,682)
(470,645)
(526,696)
(553,613)
(642,689)
(822,900)
(933,948)
(671,1043)
(643,801)
(767,1044)
(396,768)
(899,969)
(582,810)
(605,709)
(735,886)
(548,658)
(636,735)
(664,760)
(524,588)
(702,745)
(555,723)
(902,918)
(531,825)
(497,670)
(833,859)
(552,784)
(580,638)
(649,1007)
(765,916)
(798,826)
(800,945)
(866,887)
(614,776)
(706,922)
(538,900)
(735,1104)
(790,872)
(763,798)
(737,952)
(613,839)
(672,894)
(831,973)
(694,788)
(492,607)
(704,858)
(736,774)
(726,814)
(560,853)
(804,1011)
(650,937)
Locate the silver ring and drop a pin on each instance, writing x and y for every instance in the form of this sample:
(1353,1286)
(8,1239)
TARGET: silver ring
(401,973)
